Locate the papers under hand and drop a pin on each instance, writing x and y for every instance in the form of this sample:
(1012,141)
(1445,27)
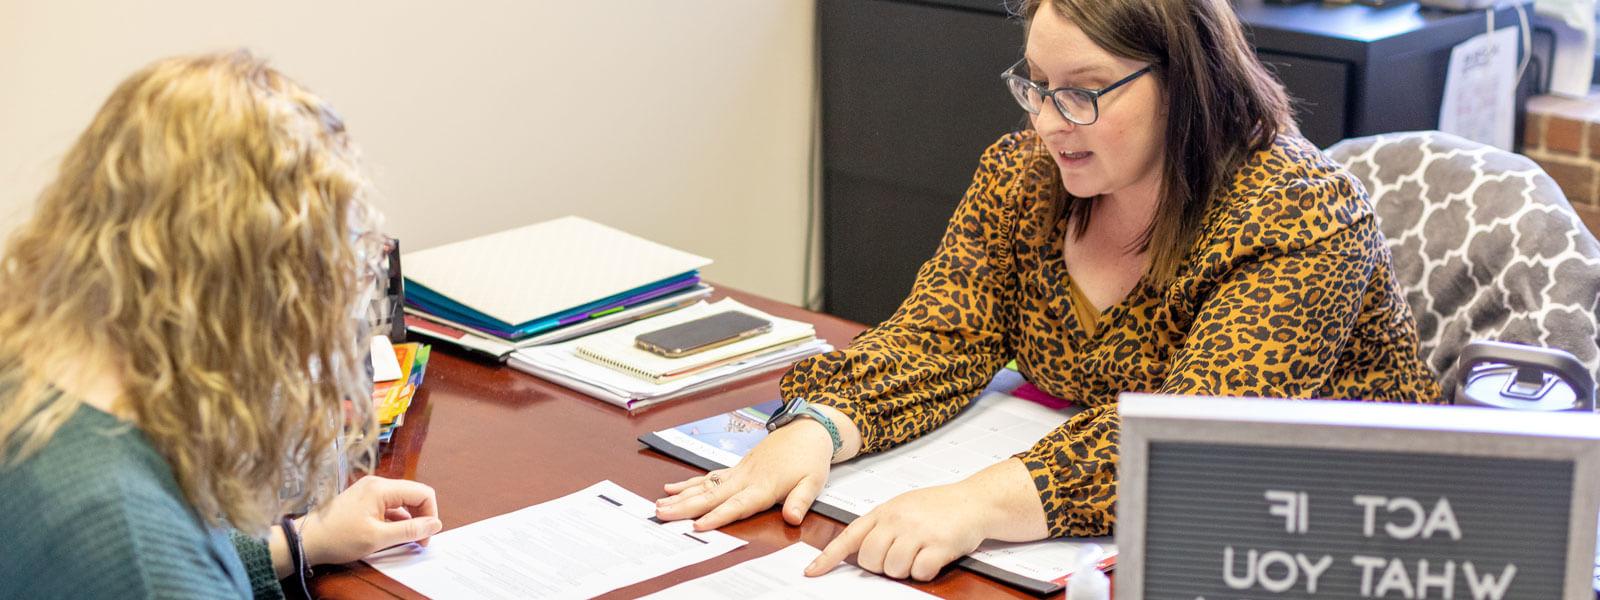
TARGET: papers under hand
(991,429)
(780,575)
(578,546)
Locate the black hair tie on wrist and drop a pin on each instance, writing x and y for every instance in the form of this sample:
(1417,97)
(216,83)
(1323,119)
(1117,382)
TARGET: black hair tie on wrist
(297,585)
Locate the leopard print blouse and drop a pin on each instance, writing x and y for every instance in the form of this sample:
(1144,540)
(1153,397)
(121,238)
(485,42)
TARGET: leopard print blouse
(1286,292)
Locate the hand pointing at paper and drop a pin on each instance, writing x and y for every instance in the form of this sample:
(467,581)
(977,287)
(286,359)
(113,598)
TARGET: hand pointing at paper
(917,533)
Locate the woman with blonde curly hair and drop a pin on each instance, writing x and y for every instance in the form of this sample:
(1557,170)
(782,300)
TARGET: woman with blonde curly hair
(181,334)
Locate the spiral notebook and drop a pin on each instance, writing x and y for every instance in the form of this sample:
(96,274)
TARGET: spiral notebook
(615,348)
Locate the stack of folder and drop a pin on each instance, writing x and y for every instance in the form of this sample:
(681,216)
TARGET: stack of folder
(544,283)
(610,367)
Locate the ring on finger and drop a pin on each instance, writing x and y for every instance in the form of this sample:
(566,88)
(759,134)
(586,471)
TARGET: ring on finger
(713,480)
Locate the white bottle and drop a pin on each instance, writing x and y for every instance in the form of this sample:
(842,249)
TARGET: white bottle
(1088,582)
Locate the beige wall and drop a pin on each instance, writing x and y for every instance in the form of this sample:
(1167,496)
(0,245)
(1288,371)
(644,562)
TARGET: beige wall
(687,122)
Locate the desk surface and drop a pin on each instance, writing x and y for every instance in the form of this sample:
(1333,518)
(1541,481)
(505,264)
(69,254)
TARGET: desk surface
(491,440)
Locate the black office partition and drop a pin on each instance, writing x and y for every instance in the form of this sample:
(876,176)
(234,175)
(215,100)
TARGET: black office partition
(911,95)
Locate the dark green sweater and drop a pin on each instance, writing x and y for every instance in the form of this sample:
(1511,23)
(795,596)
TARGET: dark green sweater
(97,513)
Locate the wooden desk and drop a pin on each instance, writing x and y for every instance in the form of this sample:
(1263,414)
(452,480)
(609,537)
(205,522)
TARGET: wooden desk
(492,440)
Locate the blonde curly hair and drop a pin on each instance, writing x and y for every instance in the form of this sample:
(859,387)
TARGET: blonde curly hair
(209,236)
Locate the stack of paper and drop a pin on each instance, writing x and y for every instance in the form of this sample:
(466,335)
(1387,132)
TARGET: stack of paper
(544,283)
(617,349)
(563,363)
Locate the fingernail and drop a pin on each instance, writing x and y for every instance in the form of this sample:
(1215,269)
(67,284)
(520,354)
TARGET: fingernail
(434,525)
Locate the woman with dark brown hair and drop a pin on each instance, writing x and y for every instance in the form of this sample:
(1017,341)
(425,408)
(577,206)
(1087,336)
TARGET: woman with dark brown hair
(1160,228)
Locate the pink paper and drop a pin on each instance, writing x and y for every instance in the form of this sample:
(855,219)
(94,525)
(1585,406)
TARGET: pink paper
(1027,391)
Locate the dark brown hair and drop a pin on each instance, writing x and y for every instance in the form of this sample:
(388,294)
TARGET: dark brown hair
(1222,106)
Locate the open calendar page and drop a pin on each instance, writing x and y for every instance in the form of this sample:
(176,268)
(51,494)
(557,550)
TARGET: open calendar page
(996,426)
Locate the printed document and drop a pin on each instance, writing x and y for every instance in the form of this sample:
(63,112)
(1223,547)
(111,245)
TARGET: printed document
(992,429)
(578,546)
(1480,89)
(779,575)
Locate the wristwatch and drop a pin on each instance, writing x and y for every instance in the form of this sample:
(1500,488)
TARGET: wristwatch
(798,407)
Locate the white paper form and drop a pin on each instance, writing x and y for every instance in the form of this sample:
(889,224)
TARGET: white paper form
(1480,89)
(995,427)
(578,546)
(780,575)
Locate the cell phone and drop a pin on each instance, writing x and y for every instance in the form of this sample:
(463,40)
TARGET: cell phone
(702,334)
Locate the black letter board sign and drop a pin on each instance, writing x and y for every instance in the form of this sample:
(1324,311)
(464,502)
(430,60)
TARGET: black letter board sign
(1225,499)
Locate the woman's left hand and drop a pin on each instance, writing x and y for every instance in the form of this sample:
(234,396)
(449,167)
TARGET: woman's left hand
(919,532)
(912,535)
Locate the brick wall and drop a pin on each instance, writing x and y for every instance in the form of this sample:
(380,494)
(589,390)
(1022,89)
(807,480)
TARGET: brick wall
(1563,136)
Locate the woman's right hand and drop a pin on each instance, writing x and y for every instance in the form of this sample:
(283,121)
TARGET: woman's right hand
(372,514)
(790,465)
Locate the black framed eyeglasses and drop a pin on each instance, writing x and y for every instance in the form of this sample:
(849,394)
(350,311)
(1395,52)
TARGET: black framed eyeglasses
(1078,105)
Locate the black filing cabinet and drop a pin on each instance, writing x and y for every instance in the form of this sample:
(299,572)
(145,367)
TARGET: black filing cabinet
(1358,70)
(911,95)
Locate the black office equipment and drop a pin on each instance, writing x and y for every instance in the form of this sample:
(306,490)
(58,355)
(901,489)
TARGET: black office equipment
(911,96)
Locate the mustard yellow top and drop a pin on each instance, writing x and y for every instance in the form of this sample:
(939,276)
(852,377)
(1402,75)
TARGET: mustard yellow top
(1083,308)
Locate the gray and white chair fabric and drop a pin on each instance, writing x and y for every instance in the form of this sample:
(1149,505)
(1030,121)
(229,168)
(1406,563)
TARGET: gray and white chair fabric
(1485,244)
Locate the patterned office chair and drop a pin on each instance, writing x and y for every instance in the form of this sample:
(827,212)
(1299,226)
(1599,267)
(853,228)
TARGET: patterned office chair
(1484,243)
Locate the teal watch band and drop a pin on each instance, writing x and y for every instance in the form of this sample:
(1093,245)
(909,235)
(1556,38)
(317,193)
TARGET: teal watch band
(798,407)
(833,430)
